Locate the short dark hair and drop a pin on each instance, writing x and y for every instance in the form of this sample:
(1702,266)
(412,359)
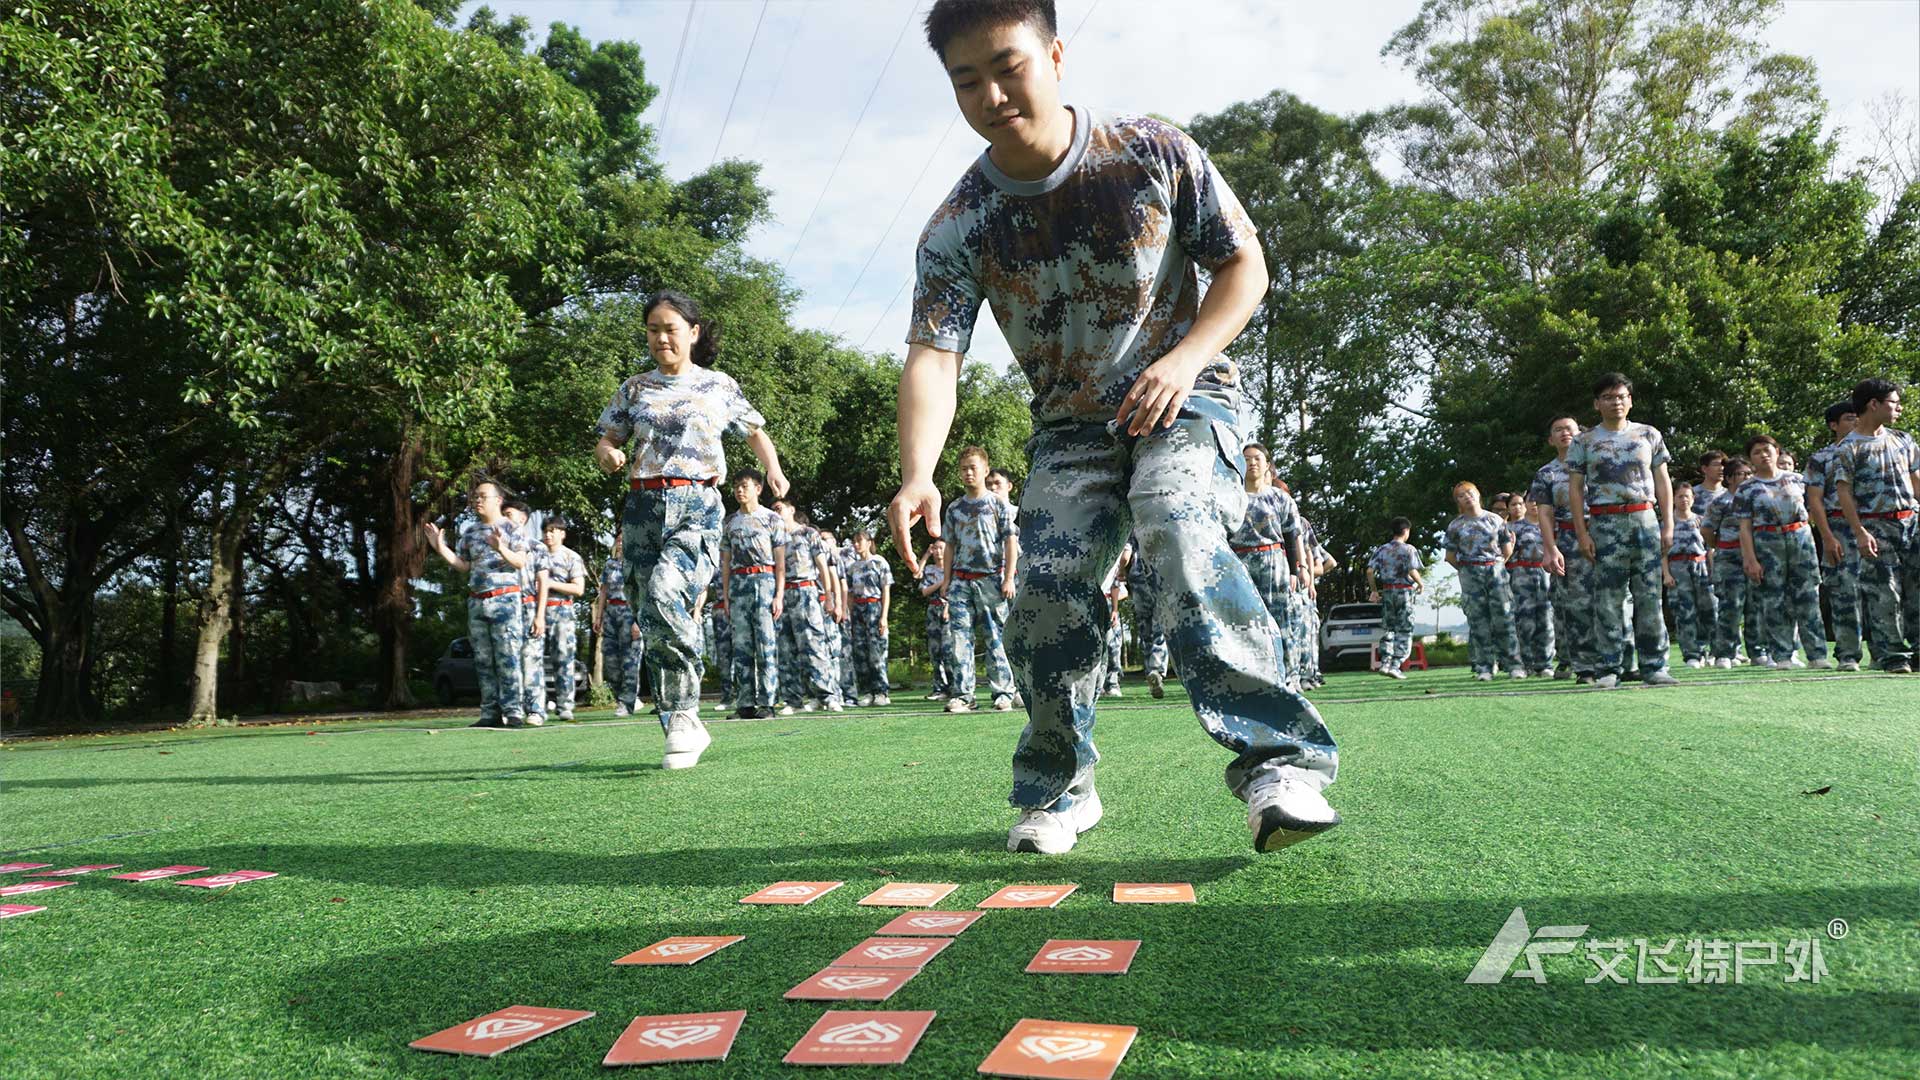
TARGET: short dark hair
(1564,416)
(1870,391)
(948,19)
(554,522)
(1843,407)
(1738,461)
(520,505)
(1761,440)
(705,349)
(750,474)
(1397,526)
(1611,380)
(1711,458)
(1001,473)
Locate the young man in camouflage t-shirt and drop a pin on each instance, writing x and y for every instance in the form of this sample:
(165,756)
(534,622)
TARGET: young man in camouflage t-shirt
(1086,232)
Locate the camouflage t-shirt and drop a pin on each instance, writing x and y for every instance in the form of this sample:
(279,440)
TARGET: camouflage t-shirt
(1091,270)
(1880,469)
(976,531)
(1702,497)
(1272,516)
(868,578)
(750,538)
(1529,543)
(1720,522)
(1479,538)
(803,543)
(1394,562)
(613,579)
(1618,465)
(486,569)
(931,577)
(678,421)
(1687,536)
(1779,501)
(1550,489)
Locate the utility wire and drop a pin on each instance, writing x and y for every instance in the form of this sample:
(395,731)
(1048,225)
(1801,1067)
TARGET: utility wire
(899,210)
(744,64)
(673,80)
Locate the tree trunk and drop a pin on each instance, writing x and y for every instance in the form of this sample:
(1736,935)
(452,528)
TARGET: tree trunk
(167,676)
(237,631)
(397,558)
(215,621)
(65,697)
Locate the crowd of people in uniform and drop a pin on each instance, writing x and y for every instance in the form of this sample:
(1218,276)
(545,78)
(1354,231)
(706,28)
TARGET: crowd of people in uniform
(1569,577)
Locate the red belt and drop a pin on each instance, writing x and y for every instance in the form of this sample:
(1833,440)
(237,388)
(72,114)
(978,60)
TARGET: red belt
(1619,508)
(1888,515)
(493,593)
(1251,550)
(1841,514)
(968,575)
(1489,562)
(1727,545)
(806,583)
(1791,526)
(1518,564)
(753,569)
(1396,586)
(529,598)
(1563,526)
(616,603)
(559,603)
(866,599)
(655,483)
(1689,558)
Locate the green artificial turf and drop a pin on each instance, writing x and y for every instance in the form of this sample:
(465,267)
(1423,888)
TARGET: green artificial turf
(431,875)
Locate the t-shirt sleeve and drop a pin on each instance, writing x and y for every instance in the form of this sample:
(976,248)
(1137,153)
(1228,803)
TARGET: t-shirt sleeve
(886,573)
(1743,502)
(613,419)
(742,418)
(1208,219)
(947,526)
(1658,445)
(946,295)
(1005,516)
(1577,457)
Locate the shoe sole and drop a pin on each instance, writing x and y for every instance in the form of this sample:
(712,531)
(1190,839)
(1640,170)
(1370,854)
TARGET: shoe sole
(1027,846)
(1278,831)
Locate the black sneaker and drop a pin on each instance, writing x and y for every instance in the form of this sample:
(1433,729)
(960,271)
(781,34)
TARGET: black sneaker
(485,723)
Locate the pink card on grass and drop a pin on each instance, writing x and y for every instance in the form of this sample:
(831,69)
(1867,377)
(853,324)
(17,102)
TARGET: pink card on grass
(16,867)
(893,952)
(792,892)
(860,1038)
(234,877)
(28,887)
(907,894)
(1028,896)
(499,1031)
(651,1040)
(159,872)
(8,911)
(850,984)
(76,871)
(932,923)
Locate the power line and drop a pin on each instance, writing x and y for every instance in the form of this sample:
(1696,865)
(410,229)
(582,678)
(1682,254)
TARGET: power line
(767,106)
(1091,8)
(877,323)
(901,209)
(744,64)
(835,171)
(673,80)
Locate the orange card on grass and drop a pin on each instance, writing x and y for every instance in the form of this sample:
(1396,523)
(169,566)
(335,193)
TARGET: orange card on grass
(1028,896)
(76,871)
(792,892)
(851,984)
(931,923)
(499,1031)
(907,894)
(1048,1050)
(680,950)
(893,952)
(27,887)
(1063,956)
(1164,893)
(159,872)
(232,878)
(8,911)
(16,867)
(860,1038)
(651,1040)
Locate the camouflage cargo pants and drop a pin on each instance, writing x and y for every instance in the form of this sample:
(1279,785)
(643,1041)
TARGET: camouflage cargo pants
(803,648)
(1267,568)
(938,650)
(1843,593)
(1888,581)
(870,647)
(1488,605)
(1573,606)
(494,628)
(1396,619)
(1179,489)
(620,653)
(562,644)
(976,604)
(1692,603)
(1152,639)
(755,641)
(1733,606)
(1789,593)
(1627,556)
(672,536)
(533,662)
(1532,616)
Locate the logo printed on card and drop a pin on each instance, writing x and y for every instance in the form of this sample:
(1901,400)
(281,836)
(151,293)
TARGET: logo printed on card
(503,1027)
(681,948)
(675,1036)
(791,890)
(1081,952)
(894,952)
(1024,895)
(934,922)
(1153,890)
(1056,1048)
(910,894)
(853,982)
(864,1033)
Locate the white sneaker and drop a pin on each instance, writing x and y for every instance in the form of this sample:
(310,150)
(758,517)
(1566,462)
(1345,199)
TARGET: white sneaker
(864,700)
(1662,677)
(1005,704)
(622,710)
(1696,663)
(1725,663)
(1044,832)
(1849,665)
(959,705)
(1794,661)
(834,706)
(1395,673)
(536,720)
(786,710)
(1607,682)
(686,738)
(935,696)
(882,699)
(1518,673)
(1483,676)
(1157,686)
(1018,701)
(810,705)
(1821,664)
(1113,691)
(1287,811)
(553,706)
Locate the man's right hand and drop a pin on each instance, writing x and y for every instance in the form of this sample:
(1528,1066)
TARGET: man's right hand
(1868,545)
(918,500)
